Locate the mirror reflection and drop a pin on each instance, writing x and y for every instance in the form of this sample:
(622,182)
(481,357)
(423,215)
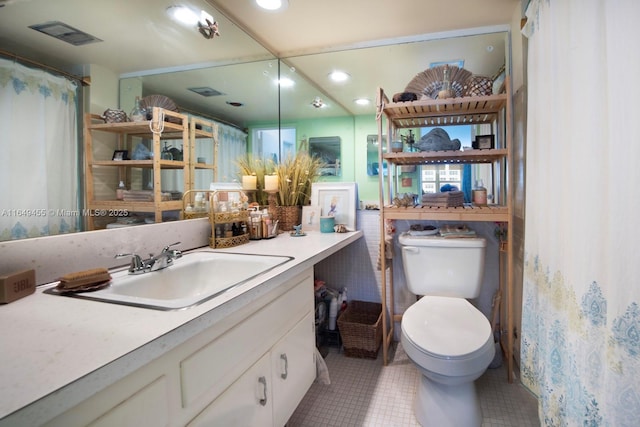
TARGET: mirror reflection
(230,80)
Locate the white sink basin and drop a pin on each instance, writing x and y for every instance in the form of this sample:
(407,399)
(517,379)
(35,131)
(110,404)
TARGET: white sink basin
(193,279)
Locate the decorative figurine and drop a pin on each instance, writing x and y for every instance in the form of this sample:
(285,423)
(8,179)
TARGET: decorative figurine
(297,231)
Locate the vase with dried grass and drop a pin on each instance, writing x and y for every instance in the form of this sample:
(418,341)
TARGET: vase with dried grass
(295,176)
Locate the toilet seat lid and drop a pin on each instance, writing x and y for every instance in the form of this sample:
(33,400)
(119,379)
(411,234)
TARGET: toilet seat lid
(445,326)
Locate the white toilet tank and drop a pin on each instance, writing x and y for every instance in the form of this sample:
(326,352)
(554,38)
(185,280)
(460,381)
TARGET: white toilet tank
(435,265)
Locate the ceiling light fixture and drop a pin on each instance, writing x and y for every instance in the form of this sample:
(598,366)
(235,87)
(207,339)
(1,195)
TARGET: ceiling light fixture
(318,102)
(362,101)
(273,4)
(339,76)
(203,21)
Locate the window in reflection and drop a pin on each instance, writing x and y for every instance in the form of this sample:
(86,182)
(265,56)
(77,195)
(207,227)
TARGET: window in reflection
(273,143)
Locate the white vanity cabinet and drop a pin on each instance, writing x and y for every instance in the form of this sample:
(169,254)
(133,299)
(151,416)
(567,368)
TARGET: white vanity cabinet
(253,367)
(271,389)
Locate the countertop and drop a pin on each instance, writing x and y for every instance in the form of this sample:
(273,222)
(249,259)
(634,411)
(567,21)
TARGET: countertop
(57,351)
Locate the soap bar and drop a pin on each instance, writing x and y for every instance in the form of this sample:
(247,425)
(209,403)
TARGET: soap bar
(17,285)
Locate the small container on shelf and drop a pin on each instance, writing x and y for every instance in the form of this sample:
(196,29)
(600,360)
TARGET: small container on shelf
(479,194)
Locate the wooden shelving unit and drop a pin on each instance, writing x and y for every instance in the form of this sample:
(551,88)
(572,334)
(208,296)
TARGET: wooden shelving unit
(165,125)
(494,110)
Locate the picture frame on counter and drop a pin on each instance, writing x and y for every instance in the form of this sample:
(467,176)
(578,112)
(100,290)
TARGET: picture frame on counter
(337,199)
(310,218)
(483,142)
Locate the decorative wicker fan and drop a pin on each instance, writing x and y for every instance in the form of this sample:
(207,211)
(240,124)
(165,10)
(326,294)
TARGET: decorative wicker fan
(429,82)
(148,102)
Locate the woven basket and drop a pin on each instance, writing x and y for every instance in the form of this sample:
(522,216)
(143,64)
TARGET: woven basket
(288,216)
(478,86)
(114,116)
(360,328)
(228,242)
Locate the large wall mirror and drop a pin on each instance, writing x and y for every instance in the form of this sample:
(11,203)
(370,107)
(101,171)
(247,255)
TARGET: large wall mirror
(149,54)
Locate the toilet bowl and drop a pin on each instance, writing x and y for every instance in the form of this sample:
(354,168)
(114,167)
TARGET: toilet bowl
(451,343)
(446,337)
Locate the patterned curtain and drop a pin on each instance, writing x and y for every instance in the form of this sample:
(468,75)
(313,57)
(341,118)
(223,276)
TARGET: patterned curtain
(233,145)
(581,320)
(38,165)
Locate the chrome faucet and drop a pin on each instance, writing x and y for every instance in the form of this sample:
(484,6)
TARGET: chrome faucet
(154,262)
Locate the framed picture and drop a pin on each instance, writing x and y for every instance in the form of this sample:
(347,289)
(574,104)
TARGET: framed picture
(337,199)
(310,218)
(483,142)
(120,155)
(457,63)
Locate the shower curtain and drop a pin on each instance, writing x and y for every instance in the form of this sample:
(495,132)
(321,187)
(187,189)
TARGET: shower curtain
(38,163)
(581,321)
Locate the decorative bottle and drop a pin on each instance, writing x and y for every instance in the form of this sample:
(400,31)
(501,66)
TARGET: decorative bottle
(120,191)
(445,91)
(137,114)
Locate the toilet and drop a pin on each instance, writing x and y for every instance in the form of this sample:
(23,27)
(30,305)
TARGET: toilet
(448,339)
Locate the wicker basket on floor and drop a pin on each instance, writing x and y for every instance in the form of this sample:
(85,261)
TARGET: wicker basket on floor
(360,328)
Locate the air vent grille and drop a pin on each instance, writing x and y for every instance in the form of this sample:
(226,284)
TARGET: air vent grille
(205,91)
(66,33)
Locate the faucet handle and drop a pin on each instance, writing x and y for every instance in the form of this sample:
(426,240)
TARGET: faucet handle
(166,248)
(136,262)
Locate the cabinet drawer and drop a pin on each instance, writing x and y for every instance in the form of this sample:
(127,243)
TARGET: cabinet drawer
(146,407)
(211,369)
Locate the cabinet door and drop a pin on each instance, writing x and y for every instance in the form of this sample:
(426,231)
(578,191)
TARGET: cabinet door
(293,369)
(247,402)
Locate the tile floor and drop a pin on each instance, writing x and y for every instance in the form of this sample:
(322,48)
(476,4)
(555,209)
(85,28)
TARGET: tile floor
(363,392)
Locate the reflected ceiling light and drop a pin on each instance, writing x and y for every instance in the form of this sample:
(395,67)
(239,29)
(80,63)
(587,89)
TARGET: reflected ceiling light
(362,101)
(273,4)
(285,82)
(339,76)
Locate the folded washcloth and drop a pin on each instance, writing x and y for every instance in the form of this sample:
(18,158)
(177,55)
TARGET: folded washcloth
(443,199)
(456,231)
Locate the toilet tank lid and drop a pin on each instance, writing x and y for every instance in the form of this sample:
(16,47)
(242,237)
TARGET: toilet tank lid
(406,239)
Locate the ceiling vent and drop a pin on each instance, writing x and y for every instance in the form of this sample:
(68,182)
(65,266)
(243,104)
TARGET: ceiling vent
(205,91)
(66,33)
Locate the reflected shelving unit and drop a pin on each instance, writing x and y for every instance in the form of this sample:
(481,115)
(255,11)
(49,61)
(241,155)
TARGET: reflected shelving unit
(165,125)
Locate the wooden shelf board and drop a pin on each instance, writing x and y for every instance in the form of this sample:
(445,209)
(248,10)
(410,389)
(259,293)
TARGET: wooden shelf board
(446,157)
(445,112)
(147,164)
(496,213)
(169,205)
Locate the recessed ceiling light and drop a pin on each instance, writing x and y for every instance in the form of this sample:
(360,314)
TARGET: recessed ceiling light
(339,76)
(184,15)
(362,101)
(192,18)
(235,103)
(273,4)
